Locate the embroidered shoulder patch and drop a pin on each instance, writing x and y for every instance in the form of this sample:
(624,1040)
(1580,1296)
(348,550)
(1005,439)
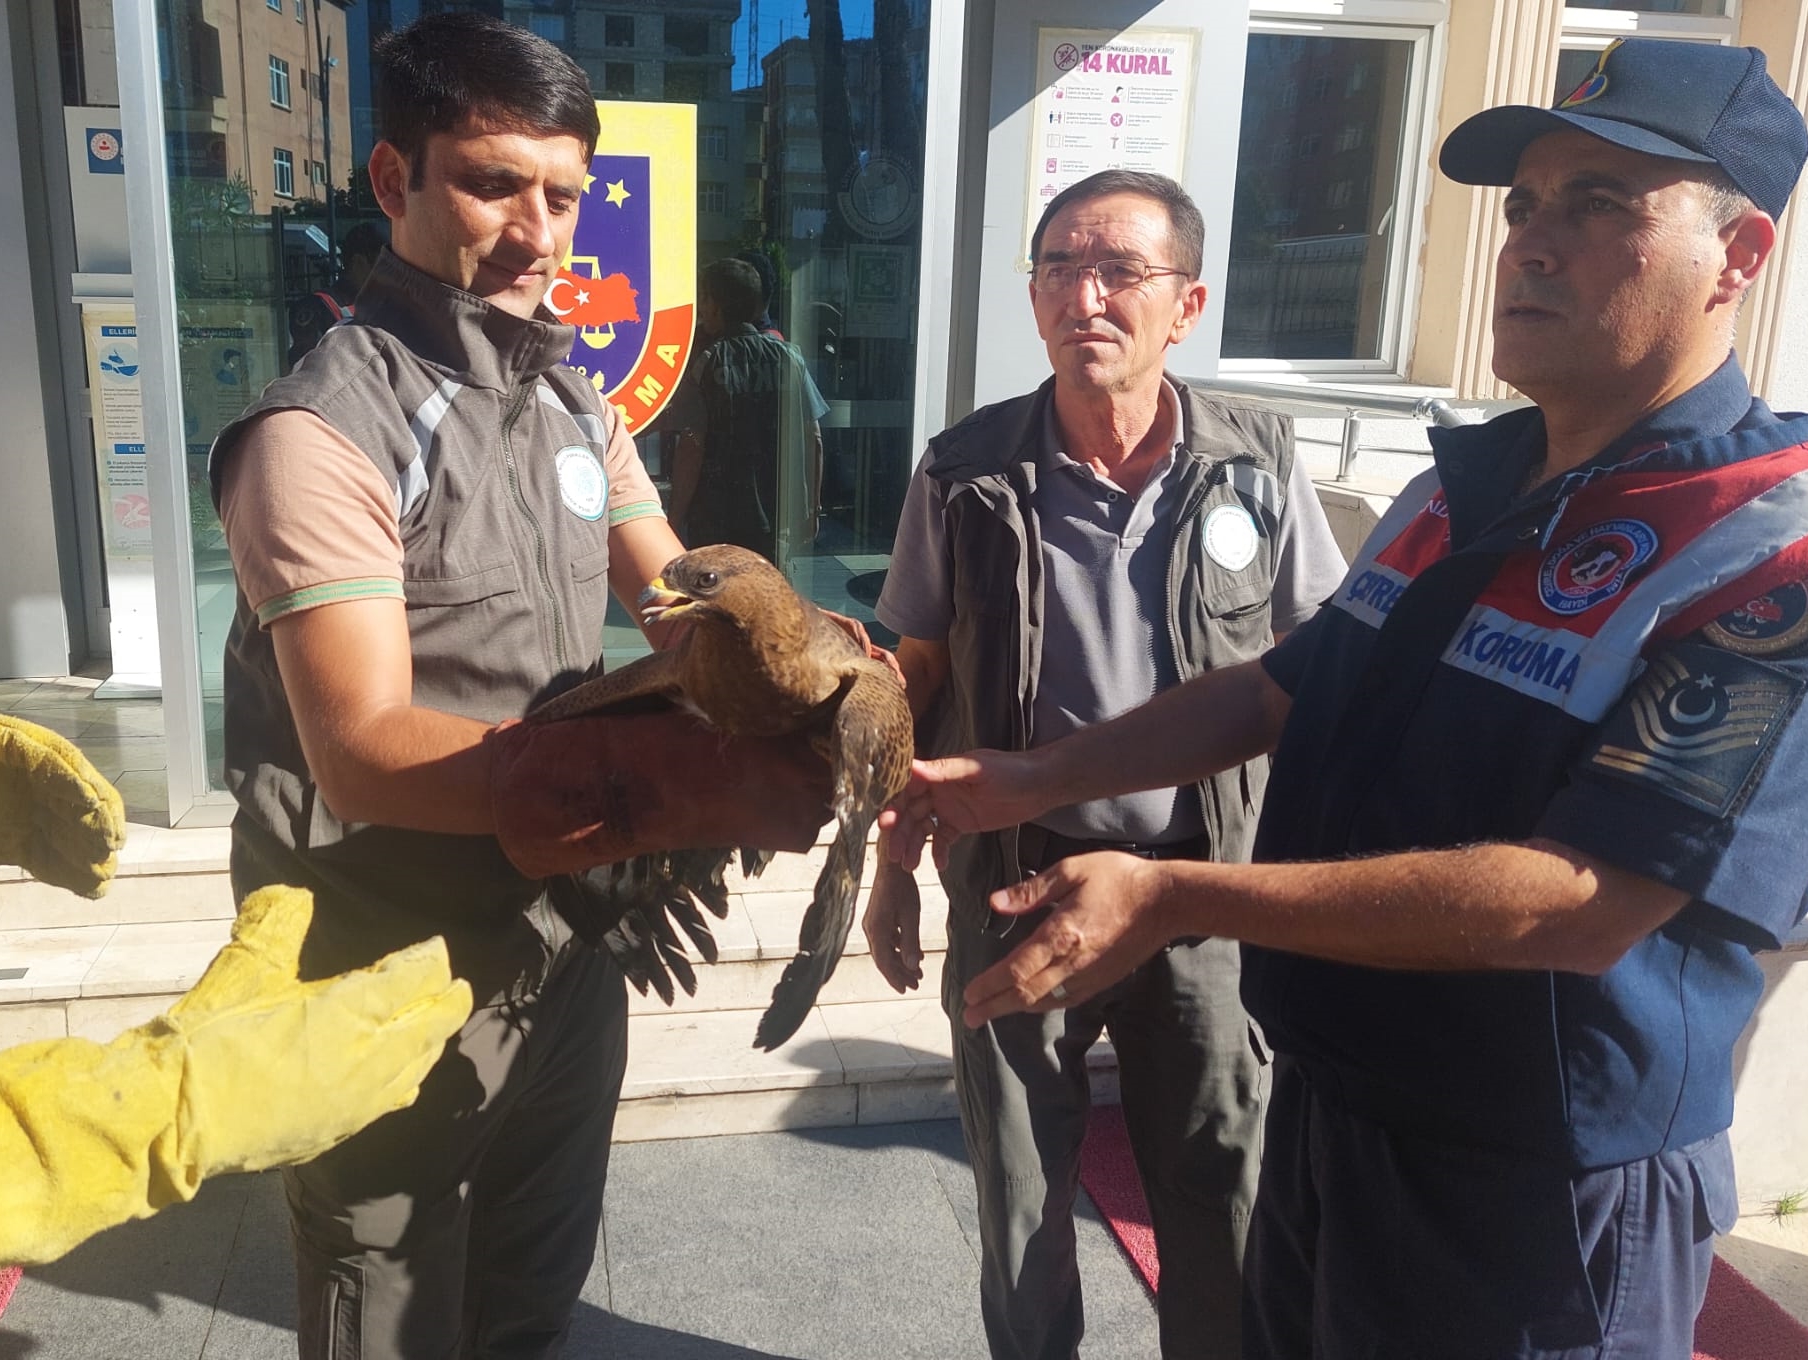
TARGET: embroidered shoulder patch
(1697,725)
(1768,625)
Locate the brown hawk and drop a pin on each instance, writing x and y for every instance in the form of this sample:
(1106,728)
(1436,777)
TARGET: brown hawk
(757,660)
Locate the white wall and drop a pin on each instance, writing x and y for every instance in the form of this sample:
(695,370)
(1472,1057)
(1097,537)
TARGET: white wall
(1011,358)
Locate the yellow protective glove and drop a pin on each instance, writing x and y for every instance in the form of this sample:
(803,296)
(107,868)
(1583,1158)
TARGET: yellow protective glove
(251,1069)
(59,819)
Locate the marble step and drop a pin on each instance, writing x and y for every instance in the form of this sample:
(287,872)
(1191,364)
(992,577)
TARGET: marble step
(698,1075)
(864,1055)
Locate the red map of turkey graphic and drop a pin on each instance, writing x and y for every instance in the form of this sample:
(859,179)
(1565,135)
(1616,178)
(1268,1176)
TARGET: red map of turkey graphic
(578,301)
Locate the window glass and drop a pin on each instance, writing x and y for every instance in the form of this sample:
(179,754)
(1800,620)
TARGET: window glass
(810,151)
(279,82)
(1714,8)
(1317,173)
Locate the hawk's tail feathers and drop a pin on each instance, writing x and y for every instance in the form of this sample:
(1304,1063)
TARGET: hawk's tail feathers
(636,909)
(826,924)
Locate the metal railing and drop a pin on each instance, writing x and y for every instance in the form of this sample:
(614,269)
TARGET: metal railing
(1353,407)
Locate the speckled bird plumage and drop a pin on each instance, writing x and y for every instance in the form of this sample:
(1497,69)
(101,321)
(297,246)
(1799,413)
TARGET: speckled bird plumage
(757,660)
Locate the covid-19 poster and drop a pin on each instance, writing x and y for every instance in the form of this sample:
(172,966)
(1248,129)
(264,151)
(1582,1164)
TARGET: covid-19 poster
(1107,100)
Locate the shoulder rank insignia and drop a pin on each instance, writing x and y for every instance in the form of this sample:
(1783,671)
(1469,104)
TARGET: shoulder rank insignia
(1768,625)
(1697,725)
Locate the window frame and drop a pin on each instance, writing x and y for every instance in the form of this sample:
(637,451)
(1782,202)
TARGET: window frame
(1422,24)
(282,160)
(279,70)
(1595,28)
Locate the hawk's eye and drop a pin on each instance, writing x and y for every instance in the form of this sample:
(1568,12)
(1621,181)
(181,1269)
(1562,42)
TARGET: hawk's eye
(708,581)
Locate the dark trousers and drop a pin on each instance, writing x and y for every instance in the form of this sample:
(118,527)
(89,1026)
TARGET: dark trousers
(464,1226)
(1369,1244)
(1192,1081)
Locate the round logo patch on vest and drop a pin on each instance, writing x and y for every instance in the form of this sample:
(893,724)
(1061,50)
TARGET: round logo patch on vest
(583,485)
(1231,537)
(1595,565)
(1771,623)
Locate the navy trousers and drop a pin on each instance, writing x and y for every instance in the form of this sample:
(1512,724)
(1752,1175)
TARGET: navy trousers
(1368,1244)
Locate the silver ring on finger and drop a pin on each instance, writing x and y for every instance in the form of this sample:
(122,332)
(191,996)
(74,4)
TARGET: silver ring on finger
(1058,991)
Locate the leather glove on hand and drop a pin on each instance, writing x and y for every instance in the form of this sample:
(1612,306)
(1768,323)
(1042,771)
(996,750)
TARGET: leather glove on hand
(251,1069)
(573,794)
(60,820)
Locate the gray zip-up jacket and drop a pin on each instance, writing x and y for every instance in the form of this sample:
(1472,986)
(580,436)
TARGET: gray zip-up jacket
(471,417)
(1233,455)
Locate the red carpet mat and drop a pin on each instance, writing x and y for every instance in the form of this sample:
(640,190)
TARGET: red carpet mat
(1738,1321)
(9,1281)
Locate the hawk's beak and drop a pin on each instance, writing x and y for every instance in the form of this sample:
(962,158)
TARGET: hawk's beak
(659,601)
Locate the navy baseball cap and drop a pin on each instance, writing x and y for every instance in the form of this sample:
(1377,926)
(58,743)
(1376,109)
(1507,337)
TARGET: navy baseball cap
(1687,101)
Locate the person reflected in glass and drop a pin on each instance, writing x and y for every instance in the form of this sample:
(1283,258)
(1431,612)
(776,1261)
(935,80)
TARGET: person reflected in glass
(313,316)
(747,418)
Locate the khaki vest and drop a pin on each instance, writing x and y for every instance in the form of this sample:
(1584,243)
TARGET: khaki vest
(469,415)
(1231,455)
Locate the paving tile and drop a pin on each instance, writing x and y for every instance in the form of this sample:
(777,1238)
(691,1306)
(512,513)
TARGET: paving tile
(890,1040)
(114,755)
(708,1116)
(140,846)
(145,1290)
(62,722)
(28,1024)
(104,1018)
(741,986)
(55,961)
(855,979)
(776,917)
(1772,1253)
(143,898)
(713,1051)
(124,717)
(755,1274)
(786,873)
(902,1102)
(734,934)
(158,957)
(146,795)
(26,904)
(255,1316)
(157,850)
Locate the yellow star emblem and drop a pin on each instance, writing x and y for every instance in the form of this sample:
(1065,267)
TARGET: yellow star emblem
(618,192)
(588,181)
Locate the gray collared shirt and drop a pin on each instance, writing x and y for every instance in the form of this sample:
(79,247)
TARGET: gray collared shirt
(1105,646)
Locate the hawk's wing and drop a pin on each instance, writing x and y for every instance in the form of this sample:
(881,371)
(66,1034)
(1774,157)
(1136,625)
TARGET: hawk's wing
(650,681)
(869,748)
(636,908)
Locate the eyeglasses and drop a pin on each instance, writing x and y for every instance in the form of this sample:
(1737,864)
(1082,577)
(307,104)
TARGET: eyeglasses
(1111,276)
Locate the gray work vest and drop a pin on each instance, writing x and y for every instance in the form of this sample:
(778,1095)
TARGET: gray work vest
(1230,455)
(495,455)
